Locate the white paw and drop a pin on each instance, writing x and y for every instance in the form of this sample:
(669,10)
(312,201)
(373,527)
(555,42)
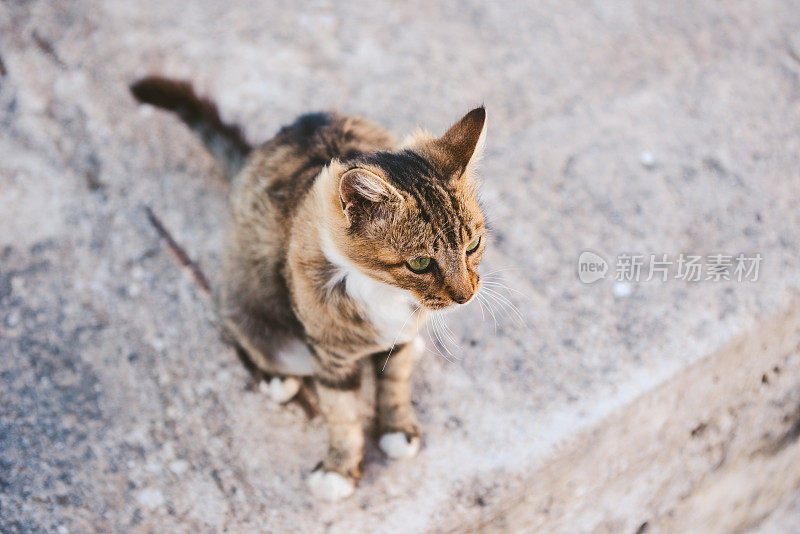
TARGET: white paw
(280,390)
(396,446)
(330,486)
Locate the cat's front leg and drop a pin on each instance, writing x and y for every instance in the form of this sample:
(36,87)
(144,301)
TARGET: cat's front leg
(337,475)
(398,427)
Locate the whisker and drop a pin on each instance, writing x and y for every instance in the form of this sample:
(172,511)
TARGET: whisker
(433,342)
(440,336)
(491,311)
(500,306)
(500,298)
(500,285)
(505,300)
(502,270)
(447,332)
(394,343)
(505,304)
(483,315)
(437,331)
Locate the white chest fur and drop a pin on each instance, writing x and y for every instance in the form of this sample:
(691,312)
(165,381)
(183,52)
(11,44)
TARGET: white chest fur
(387,307)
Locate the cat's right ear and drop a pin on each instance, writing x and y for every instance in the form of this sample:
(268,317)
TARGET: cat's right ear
(463,142)
(364,193)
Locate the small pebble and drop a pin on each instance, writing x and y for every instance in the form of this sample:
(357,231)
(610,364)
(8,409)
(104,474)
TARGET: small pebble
(134,290)
(157,344)
(622,289)
(647,159)
(179,467)
(151,498)
(13,319)
(137,273)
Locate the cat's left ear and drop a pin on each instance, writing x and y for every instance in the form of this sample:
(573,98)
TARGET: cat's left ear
(463,142)
(364,194)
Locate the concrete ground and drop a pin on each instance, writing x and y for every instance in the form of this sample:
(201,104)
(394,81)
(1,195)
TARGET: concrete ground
(617,127)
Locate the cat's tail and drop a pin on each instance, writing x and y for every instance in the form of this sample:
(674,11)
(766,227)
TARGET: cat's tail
(225,141)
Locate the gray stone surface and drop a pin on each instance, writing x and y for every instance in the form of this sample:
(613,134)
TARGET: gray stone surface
(784,520)
(122,410)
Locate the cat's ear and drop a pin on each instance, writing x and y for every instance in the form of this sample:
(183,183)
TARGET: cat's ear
(463,142)
(362,192)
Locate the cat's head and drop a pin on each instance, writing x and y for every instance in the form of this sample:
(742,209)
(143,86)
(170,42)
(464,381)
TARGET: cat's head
(411,217)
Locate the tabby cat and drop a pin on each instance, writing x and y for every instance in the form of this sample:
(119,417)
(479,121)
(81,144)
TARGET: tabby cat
(340,243)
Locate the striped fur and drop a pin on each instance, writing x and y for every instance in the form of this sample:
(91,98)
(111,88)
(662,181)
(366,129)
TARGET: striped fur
(323,219)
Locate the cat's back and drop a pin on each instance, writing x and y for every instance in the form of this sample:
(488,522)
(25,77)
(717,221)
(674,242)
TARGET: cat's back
(284,167)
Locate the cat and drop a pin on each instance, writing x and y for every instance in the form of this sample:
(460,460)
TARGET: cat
(340,244)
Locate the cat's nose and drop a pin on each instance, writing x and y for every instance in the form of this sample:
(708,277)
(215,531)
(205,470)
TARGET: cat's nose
(461,298)
(460,287)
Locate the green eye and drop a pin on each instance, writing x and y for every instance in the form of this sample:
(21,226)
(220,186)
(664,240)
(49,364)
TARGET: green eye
(473,245)
(419,265)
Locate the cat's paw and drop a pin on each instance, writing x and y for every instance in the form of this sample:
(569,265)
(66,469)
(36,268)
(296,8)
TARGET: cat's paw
(281,389)
(330,486)
(397,445)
